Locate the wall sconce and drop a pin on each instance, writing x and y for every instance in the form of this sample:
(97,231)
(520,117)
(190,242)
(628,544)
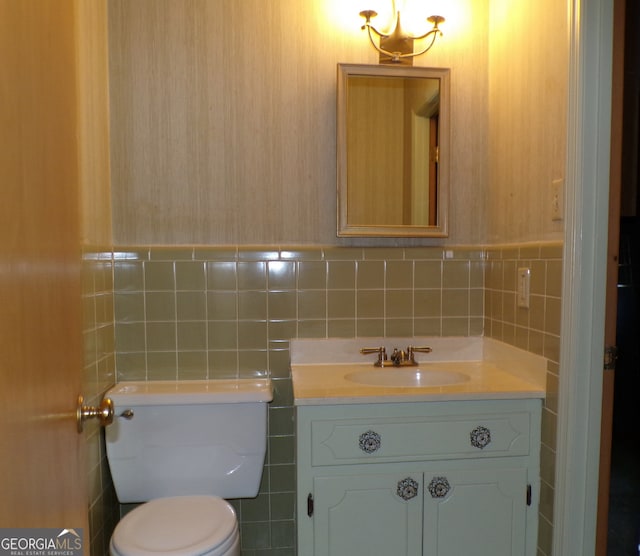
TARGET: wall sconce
(397,46)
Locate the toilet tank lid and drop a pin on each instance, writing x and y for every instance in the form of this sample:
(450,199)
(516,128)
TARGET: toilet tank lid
(182,392)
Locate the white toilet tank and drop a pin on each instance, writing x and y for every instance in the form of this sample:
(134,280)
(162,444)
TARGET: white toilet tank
(188,437)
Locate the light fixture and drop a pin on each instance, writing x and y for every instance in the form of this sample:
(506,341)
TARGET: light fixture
(396,47)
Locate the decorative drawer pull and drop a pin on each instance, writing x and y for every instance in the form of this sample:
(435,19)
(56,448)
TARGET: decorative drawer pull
(369,442)
(439,487)
(407,489)
(480,437)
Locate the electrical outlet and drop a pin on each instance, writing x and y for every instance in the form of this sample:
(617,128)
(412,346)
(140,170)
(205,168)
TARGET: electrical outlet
(557,200)
(524,287)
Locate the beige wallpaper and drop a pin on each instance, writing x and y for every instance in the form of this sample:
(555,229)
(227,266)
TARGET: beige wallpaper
(223,118)
(528,65)
(93,123)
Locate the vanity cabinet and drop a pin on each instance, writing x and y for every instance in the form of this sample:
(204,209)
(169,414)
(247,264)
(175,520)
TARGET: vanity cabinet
(424,478)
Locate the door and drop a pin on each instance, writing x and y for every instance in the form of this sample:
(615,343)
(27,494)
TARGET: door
(43,482)
(481,512)
(363,515)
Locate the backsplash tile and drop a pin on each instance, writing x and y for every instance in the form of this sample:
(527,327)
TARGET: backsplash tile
(536,329)
(222,313)
(99,375)
(191,313)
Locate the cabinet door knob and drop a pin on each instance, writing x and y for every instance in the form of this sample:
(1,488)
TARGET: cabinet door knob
(369,442)
(407,488)
(480,437)
(439,487)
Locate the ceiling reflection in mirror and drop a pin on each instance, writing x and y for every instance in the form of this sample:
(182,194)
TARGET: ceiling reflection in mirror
(393,125)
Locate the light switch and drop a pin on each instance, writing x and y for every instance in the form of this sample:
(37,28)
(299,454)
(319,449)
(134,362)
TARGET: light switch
(524,286)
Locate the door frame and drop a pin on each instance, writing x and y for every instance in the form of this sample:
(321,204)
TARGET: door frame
(584,277)
(611,311)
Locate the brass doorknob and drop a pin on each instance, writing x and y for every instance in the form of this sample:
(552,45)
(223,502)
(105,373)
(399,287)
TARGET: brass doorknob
(104,413)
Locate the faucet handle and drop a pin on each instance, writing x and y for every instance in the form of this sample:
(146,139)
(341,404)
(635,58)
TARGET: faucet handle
(381,351)
(411,350)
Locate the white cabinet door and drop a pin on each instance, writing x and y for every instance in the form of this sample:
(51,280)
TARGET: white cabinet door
(368,515)
(479,512)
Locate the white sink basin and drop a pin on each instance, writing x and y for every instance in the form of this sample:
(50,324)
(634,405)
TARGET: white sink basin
(407,377)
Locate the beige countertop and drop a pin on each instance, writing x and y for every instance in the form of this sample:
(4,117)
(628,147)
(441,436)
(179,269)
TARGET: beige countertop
(322,384)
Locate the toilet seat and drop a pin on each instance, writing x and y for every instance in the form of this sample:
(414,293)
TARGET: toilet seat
(177,526)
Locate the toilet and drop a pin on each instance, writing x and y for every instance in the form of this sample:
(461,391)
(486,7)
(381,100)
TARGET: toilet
(181,448)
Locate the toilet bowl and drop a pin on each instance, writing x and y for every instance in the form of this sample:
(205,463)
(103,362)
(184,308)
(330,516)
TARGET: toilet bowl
(181,526)
(181,447)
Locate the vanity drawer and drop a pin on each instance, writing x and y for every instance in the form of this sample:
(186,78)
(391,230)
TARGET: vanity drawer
(389,439)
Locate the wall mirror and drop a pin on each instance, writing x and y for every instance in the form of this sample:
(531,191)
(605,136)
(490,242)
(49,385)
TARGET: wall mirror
(393,151)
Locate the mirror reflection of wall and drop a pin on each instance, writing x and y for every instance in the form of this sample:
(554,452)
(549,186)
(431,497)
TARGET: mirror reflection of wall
(392,153)
(392,172)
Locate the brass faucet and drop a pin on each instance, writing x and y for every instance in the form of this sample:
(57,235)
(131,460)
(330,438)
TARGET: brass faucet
(399,358)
